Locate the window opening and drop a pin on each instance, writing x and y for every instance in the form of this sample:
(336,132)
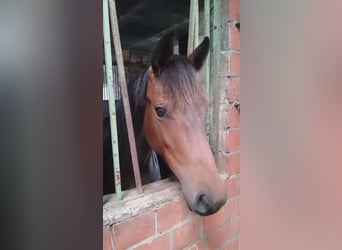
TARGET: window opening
(211,67)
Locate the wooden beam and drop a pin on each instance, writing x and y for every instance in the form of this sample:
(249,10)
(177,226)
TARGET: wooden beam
(215,76)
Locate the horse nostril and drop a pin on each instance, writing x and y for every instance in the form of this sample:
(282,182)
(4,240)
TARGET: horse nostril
(203,205)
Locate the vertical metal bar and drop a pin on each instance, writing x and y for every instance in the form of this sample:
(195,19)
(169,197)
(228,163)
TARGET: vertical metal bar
(125,99)
(193,26)
(196,24)
(112,110)
(215,76)
(207,63)
(191,31)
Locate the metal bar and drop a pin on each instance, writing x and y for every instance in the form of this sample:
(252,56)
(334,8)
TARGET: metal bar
(215,76)
(196,23)
(207,63)
(191,31)
(124,93)
(112,110)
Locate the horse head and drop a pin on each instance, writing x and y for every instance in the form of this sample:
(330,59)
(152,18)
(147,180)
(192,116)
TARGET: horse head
(174,123)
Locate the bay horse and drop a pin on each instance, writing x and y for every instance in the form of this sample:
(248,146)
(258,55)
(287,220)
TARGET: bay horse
(168,110)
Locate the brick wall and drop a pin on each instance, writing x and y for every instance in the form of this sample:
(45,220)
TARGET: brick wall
(229,128)
(172,225)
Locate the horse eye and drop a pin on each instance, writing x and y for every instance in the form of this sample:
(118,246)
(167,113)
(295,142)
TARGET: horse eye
(161,111)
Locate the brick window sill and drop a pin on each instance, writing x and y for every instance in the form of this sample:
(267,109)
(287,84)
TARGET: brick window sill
(155,194)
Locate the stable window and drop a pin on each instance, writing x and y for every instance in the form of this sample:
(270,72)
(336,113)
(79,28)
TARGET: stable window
(139,32)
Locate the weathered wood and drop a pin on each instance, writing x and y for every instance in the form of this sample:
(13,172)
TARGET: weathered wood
(206,24)
(215,76)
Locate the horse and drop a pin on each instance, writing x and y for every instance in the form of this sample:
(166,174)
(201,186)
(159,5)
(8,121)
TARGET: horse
(168,106)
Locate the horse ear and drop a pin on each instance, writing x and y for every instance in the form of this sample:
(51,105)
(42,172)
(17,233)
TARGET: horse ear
(162,53)
(198,56)
(237,25)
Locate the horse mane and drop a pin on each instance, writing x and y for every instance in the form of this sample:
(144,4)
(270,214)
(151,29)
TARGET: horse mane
(180,82)
(137,91)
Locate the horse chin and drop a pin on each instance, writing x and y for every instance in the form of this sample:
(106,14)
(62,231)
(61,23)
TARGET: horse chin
(207,213)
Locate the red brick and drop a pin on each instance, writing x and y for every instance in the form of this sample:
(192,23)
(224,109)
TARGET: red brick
(232,208)
(233,245)
(192,214)
(187,233)
(234,10)
(171,214)
(232,187)
(233,164)
(235,226)
(107,243)
(199,245)
(234,38)
(233,90)
(162,242)
(213,221)
(234,65)
(233,140)
(233,117)
(134,230)
(219,237)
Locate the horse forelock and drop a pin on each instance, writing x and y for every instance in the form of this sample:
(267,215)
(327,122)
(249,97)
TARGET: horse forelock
(181,83)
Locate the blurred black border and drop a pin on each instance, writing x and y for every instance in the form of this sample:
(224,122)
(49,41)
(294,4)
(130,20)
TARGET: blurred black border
(51,124)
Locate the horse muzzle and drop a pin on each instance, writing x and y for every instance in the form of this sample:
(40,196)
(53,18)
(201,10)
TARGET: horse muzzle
(204,204)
